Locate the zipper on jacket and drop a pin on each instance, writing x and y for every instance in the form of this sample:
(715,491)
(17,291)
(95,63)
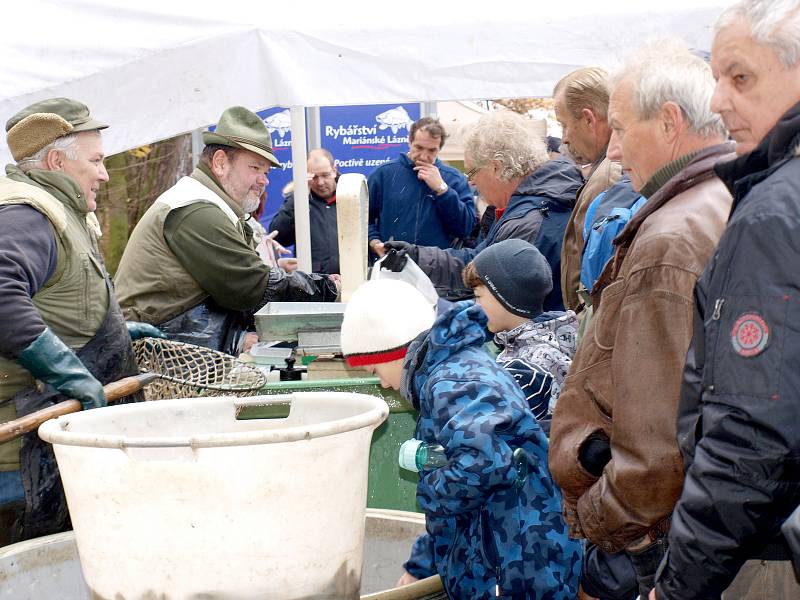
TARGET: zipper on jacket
(86,305)
(717,308)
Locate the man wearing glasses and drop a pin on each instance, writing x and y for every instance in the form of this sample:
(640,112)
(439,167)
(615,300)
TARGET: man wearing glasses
(322,177)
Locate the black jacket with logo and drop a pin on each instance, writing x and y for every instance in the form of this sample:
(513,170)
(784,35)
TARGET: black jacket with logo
(739,417)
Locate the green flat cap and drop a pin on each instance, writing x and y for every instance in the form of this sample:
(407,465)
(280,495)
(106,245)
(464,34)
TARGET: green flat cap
(73,112)
(242,128)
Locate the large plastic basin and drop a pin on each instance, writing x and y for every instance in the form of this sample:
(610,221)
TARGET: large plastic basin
(177,499)
(48,568)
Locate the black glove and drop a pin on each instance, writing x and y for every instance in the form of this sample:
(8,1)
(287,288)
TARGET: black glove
(299,287)
(394,260)
(594,453)
(407,249)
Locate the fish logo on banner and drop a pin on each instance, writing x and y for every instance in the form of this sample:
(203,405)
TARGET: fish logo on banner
(394,119)
(280,122)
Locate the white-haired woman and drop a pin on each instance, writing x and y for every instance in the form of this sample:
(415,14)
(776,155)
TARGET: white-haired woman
(532,197)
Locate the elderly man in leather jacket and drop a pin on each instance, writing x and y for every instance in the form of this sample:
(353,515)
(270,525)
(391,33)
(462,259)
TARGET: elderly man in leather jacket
(613,450)
(190,267)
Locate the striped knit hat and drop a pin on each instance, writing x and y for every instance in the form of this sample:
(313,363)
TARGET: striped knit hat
(381,319)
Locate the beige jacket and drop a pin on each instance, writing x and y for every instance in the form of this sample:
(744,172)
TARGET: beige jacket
(605,175)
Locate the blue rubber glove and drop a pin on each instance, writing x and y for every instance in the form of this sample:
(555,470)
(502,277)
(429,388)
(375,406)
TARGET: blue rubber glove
(139,330)
(50,360)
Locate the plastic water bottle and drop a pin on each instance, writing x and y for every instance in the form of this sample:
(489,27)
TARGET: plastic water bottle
(416,455)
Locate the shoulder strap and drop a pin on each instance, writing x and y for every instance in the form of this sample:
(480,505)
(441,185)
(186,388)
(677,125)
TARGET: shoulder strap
(190,191)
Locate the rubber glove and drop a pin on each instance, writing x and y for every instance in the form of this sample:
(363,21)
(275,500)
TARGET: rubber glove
(50,360)
(139,330)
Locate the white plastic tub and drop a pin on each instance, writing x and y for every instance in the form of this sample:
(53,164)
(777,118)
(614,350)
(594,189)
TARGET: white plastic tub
(177,499)
(48,567)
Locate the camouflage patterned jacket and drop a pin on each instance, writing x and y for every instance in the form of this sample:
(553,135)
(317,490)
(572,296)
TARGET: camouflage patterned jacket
(483,532)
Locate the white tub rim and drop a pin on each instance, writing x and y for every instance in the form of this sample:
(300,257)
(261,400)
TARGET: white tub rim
(55,431)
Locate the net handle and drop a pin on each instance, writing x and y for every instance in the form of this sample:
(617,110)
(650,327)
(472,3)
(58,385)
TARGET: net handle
(114,391)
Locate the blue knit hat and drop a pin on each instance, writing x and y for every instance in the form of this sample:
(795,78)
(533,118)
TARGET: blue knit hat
(517,274)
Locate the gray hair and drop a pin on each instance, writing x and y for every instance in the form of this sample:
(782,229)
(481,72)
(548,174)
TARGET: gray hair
(506,137)
(667,71)
(773,23)
(67,144)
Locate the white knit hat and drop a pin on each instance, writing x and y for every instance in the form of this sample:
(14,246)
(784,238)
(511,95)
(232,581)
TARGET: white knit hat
(381,319)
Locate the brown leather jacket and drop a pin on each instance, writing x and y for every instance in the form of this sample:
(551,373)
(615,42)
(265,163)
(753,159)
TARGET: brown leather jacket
(604,175)
(624,383)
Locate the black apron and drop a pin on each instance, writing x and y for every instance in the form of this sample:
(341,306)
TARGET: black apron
(108,356)
(209,325)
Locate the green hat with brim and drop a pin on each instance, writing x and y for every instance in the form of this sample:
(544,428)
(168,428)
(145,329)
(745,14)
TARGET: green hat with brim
(41,123)
(242,128)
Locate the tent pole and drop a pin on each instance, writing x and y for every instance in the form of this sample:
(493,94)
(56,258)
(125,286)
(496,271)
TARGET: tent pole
(197,146)
(301,219)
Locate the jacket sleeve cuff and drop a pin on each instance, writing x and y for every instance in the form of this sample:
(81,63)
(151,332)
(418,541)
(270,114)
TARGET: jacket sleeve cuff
(592,523)
(421,563)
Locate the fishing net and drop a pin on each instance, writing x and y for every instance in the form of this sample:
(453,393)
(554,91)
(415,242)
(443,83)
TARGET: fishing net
(188,371)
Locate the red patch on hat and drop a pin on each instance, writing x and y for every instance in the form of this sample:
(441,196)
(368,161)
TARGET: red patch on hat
(749,335)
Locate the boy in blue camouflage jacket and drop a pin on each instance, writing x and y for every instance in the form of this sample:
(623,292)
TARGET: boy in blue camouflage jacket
(486,536)
(510,280)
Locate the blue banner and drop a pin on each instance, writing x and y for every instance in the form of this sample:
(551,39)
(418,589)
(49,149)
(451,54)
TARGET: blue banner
(361,138)
(278,121)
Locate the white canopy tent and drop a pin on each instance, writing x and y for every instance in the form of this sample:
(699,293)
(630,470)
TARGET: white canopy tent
(154,69)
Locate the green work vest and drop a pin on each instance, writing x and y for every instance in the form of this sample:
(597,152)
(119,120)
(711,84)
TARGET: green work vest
(74,301)
(151,284)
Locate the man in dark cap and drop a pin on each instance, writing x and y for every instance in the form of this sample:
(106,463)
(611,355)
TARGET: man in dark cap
(190,266)
(63,332)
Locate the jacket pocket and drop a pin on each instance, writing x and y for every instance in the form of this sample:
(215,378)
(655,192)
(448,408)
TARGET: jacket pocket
(750,343)
(607,316)
(467,566)
(599,389)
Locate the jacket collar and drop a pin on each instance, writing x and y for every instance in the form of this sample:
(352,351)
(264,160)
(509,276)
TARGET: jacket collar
(699,169)
(778,146)
(202,174)
(59,185)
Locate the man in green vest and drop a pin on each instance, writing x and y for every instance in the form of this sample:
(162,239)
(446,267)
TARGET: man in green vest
(63,332)
(190,266)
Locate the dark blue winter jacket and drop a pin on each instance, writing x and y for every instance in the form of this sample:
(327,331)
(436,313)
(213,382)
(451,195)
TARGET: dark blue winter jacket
(402,207)
(483,530)
(538,213)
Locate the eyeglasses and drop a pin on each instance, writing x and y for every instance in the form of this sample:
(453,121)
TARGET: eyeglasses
(319,176)
(472,172)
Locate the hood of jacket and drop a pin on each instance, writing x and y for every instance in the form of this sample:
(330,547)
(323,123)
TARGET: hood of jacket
(558,181)
(544,330)
(462,325)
